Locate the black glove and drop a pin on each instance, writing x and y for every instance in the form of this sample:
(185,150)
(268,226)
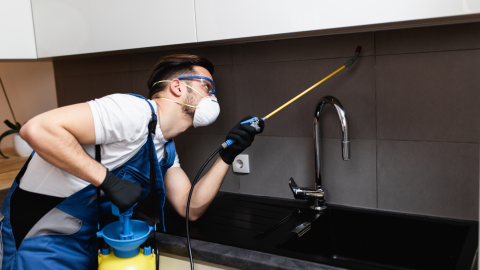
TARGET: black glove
(243,136)
(122,193)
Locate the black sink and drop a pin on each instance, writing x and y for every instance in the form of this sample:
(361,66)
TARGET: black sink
(345,237)
(388,241)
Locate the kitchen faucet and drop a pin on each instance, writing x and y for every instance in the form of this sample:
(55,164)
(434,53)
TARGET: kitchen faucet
(316,194)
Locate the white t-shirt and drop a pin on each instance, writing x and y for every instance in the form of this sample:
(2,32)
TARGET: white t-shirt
(121,128)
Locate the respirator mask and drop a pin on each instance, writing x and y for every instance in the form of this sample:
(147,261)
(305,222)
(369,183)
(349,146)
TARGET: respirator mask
(208,109)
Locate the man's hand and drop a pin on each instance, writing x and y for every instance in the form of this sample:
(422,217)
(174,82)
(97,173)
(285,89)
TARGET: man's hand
(123,193)
(243,136)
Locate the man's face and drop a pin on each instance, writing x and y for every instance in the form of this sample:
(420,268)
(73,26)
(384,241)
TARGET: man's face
(192,97)
(203,72)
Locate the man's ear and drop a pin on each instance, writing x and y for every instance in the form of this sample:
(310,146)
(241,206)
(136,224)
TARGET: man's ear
(175,88)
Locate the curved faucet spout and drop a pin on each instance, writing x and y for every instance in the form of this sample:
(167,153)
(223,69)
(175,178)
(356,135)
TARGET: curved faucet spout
(318,137)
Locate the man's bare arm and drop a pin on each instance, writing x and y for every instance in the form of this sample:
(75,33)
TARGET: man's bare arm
(57,136)
(177,188)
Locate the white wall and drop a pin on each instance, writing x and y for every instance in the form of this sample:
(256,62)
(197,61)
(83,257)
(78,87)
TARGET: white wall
(30,87)
(17,38)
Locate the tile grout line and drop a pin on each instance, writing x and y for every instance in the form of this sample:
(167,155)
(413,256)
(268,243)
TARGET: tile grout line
(426,52)
(335,138)
(345,57)
(302,60)
(130,72)
(478,143)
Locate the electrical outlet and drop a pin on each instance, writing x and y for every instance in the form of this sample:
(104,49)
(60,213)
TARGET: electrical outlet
(240,164)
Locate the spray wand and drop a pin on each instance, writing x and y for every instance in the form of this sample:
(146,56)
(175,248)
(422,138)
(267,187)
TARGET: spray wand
(254,123)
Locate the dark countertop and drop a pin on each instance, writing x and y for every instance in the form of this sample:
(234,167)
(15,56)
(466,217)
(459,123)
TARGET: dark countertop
(255,232)
(232,256)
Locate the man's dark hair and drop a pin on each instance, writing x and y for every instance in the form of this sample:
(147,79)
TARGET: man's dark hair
(174,66)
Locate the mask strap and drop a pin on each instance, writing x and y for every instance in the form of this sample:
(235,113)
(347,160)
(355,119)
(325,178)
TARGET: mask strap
(196,107)
(195,91)
(186,86)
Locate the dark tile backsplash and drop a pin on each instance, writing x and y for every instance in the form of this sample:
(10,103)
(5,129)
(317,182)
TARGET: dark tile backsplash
(411,101)
(139,82)
(103,84)
(429,96)
(73,89)
(146,61)
(428,39)
(432,178)
(93,65)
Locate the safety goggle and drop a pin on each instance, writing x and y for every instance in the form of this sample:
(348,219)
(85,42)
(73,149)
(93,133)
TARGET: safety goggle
(206,83)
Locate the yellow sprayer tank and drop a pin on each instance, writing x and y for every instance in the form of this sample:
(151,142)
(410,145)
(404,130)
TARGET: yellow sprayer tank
(138,262)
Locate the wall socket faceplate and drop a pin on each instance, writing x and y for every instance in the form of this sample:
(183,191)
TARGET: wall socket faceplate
(240,164)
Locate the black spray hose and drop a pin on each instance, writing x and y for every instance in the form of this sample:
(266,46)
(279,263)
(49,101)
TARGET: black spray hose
(190,197)
(157,258)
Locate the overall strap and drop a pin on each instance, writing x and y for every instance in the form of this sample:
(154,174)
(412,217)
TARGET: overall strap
(170,149)
(153,173)
(23,170)
(98,158)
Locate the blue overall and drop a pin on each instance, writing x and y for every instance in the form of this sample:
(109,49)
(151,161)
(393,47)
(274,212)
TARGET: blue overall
(62,239)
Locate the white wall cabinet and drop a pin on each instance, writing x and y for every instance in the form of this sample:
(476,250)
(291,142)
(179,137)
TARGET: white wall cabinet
(66,27)
(17,38)
(229,19)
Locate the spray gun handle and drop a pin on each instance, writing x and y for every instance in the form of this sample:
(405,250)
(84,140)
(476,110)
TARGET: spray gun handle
(125,220)
(116,211)
(253,123)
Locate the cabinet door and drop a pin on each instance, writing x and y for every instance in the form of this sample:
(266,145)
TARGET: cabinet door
(66,27)
(127,24)
(228,19)
(16,30)
(62,27)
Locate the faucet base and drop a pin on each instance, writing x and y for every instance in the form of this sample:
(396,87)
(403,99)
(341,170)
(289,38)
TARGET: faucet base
(315,195)
(318,208)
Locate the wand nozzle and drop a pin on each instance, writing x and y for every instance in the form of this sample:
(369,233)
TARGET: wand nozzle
(351,61)
(359,49)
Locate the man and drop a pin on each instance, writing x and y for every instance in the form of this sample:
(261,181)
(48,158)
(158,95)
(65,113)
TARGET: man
(50,214)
